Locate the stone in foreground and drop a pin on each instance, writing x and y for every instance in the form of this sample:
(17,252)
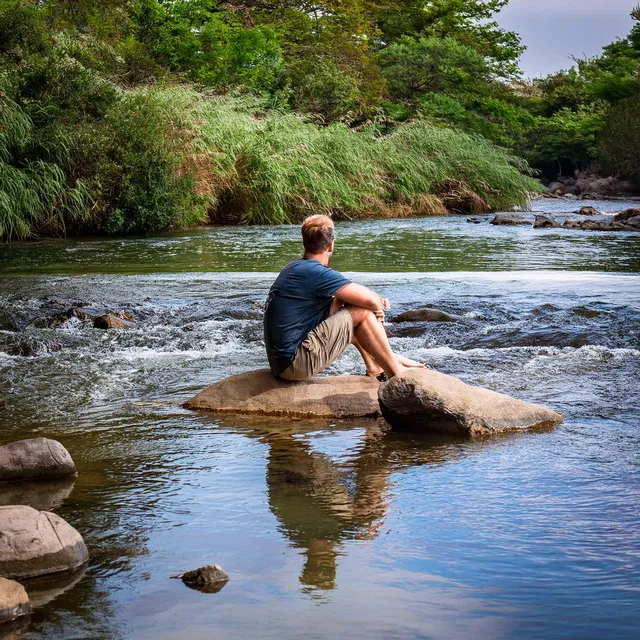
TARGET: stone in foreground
(35,459)
(432,401)
(259,393)
(209,579)
(14,601)
(35,543)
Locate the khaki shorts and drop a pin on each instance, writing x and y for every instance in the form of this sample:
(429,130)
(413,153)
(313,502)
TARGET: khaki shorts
(321,347)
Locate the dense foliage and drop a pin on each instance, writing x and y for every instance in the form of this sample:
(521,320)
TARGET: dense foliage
(133,116)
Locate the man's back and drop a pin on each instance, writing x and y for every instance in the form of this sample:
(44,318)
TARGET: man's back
(299,300)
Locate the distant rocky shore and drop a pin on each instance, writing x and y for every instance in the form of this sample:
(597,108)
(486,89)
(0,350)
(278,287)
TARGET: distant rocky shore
(590,186)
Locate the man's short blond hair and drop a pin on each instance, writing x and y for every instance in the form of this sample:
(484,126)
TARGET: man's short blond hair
(317,233)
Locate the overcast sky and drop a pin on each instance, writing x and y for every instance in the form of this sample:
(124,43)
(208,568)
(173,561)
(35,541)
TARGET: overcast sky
(554,30)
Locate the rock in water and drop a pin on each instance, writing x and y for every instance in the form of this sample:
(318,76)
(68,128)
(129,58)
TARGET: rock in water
(258,392)
(35,458)
(111,322)
(588,211)
(432,401)
(425,315)
(14,601)
(543,222)
(627,214)
(209,579)
(509,220)
(35,543)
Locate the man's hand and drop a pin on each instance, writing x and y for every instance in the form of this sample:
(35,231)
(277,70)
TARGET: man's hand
(361,296)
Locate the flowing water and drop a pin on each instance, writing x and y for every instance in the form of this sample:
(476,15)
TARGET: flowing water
(333,528)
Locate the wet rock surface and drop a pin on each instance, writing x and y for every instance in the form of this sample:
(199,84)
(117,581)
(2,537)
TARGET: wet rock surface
(258,392)
(428,400)
(110,321)
(35,543)
(208,579)
(508,219)
(14,601)
(425,314)
(544,222)
(35,458)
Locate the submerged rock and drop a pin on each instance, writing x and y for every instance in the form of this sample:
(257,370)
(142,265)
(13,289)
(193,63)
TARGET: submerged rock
(425,315)
(208,579)
(35,543)
(509,220)
(597,225)
(14,601)
(258,392)
(432,401)
(35,458)
(110,321)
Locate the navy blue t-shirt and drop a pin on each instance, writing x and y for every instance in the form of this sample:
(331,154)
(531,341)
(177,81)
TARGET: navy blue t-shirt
(299,300)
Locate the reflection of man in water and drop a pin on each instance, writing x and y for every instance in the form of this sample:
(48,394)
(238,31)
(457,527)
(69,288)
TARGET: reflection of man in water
(313,313)
(319,506)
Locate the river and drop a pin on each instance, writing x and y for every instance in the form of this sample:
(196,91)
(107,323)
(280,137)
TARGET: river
(330,529)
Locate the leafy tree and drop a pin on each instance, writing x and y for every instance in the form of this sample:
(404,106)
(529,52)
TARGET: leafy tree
(567,140)
(470,22)
(415,66)
(211,47)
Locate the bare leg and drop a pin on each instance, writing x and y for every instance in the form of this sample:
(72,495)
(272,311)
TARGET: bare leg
(373,368)
(372,338)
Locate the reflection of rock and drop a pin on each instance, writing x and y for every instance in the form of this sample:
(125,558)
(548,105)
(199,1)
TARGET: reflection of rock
(42,495)
(508,219)
(425,315)
(432,401)
(110,321)
(208,579)
(258,392)
(35,458)
(44,589)
(14,601)
(35,543)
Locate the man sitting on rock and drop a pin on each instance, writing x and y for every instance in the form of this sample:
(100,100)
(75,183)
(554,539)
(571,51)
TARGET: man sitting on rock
(313,313)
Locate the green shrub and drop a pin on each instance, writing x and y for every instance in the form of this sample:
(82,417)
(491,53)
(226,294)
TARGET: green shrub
(320,87)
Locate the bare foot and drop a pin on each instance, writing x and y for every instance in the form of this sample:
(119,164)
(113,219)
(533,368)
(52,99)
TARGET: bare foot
(374,373)
(411,364)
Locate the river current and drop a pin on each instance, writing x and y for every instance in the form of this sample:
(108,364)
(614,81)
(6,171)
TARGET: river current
(339,528)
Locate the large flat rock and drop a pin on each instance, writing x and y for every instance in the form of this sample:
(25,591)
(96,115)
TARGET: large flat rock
(258,392)
(36,543)
(432,401)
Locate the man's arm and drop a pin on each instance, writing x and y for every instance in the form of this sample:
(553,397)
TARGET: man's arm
(361,296)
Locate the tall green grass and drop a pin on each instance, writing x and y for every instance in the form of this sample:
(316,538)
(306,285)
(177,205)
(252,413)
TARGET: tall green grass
(274,168)
(35,194)
(159,157)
